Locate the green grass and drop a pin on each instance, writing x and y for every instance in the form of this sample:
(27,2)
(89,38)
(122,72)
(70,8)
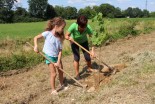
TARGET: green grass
(14,36)
(29,30)
(21,30)
(24,30)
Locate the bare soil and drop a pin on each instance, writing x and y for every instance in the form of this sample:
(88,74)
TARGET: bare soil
(133,83)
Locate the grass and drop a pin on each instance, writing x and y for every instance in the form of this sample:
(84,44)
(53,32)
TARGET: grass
(24,30)
(13,37)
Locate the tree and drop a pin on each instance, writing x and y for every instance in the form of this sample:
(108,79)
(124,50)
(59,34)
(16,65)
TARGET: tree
(50,12)
(152,14)
(6,14)
(20,12)
(118,13)
(60,11)
(107,10)
(96,9)
(87,11)
(133,12)
(7,4)
(128,12)
(145,13)
(37,8)
(71,12)
(137,12)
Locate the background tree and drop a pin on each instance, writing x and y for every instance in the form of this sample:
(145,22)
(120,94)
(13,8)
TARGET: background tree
(107,10)
(60,11)
(152,14)
(71,12)
(96,9)
(6,14)
(87,11)
(128,12)
(37,8)
(137,12)
(20,14)
(118,13)
(50,12)
(146,13)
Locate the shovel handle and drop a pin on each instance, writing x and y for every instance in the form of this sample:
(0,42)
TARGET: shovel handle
(59,68)
(91,54)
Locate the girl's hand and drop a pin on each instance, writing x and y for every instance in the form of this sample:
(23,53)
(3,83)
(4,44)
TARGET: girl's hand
(57,64)
(36,49)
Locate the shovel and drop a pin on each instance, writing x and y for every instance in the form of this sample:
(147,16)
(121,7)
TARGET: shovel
(83,86)
(110,68)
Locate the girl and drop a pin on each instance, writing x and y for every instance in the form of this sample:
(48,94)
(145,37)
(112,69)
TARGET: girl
(54,35)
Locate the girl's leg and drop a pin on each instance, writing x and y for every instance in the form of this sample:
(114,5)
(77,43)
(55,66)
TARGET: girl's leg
(61,78)
(53,76)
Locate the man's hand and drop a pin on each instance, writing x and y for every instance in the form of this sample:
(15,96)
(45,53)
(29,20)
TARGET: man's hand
(93,55)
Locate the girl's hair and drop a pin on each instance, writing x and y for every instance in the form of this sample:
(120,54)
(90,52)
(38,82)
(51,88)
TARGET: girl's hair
(59,21)
(82,21)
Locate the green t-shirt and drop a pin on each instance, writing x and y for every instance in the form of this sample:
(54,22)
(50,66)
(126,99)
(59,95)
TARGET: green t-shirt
(77,36)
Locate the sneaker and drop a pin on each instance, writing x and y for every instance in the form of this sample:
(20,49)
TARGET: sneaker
(77,77)
(54,92)
(63,87)
(91,70)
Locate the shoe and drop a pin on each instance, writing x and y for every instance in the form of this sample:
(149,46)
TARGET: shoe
(54,92)
(90,70)
(63,87)
(77,77)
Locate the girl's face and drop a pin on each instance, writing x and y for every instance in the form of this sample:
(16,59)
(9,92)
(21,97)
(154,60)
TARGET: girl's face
(60,29)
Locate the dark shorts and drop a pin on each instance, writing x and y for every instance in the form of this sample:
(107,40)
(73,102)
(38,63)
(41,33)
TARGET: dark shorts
(76,53)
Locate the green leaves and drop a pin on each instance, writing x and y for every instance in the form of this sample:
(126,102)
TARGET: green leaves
(100,35)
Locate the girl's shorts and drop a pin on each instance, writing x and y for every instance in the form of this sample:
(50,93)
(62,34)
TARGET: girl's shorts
(52,59)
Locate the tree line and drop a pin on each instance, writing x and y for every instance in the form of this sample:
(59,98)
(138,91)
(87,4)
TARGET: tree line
(41,10)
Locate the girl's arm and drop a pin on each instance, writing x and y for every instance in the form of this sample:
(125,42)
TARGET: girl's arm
(36,42)
(59,58)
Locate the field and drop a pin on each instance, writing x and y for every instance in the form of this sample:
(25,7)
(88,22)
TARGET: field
(29,83)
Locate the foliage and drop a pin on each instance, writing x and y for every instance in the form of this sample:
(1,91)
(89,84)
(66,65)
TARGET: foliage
(37,8)
(60,11)
(50,12)
(71,12)
(41,10)
(136,12)
(128,29)
(18,61)
(87,11)
(100,34)
(107,10)
(6,14)
(7,4)
(152,14)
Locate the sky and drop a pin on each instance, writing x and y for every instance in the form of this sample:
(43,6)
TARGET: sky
(122,4)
